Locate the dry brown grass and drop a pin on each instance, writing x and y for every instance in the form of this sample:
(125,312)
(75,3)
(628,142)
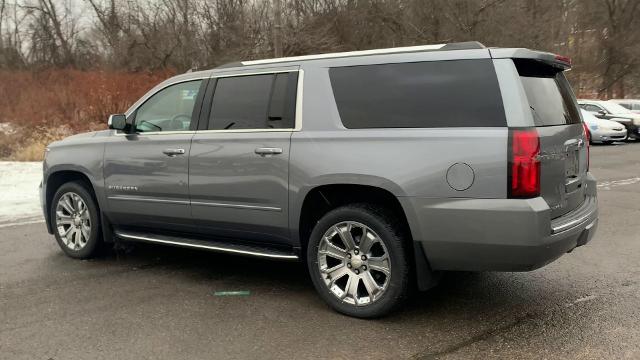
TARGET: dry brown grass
(45,106)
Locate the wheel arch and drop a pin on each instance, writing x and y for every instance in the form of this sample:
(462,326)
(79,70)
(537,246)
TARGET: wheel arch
(56,178)
(320,199)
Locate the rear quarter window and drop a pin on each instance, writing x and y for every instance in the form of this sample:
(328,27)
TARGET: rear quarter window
(455,93)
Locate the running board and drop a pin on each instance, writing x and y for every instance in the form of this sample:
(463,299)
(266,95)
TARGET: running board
(216,246)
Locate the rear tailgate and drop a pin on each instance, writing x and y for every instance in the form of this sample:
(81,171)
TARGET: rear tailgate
(563,146)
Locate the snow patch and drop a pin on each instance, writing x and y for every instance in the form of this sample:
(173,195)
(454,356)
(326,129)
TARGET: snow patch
(582,299)
(19,194)
(607,185)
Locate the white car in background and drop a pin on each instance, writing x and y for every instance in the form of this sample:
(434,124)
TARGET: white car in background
(604,131)
(609,110)
(631,104)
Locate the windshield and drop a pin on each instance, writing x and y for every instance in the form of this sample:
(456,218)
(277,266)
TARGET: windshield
(615,108)
(589,118)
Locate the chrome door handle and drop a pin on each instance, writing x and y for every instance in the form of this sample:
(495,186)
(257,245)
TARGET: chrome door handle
(268,151)
(173,152)
(573,144)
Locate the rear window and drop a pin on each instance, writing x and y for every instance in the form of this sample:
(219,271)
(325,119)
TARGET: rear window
(456,93)
(550,97)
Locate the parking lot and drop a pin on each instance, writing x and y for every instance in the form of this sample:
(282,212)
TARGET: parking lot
(159,302)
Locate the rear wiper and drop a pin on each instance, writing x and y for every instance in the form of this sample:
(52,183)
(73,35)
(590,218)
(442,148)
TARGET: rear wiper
(535,113)
(230,125)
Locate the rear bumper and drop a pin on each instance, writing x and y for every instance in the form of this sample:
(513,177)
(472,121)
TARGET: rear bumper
(498,234)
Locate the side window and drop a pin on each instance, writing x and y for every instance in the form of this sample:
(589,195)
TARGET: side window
(254,102)
(592,108)
(282,107)
(456,93)
(170,109)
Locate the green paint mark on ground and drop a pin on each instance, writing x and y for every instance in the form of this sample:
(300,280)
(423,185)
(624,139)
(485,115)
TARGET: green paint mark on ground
(232,293)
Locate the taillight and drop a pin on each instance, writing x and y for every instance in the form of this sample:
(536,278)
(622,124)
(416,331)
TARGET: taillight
(524,163)
(587,137)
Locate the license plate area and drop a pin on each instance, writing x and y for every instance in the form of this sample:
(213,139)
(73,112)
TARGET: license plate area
(572,165)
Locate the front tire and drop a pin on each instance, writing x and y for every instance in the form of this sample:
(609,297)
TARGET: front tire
(358,260)
(76,220)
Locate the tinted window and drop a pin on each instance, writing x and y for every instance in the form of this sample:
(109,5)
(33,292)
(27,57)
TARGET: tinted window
(254,102)
(282,107)
(170,109)
(550,97)
(419,95)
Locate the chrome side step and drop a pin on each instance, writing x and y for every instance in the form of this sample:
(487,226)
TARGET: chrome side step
(217,246)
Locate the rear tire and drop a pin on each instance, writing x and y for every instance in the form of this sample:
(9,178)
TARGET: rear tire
(76,220)
(358,260)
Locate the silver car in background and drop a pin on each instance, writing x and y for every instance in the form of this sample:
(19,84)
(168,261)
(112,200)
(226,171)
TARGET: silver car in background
(603,131)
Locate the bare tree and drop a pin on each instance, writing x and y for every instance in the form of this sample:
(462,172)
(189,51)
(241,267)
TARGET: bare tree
(600,35)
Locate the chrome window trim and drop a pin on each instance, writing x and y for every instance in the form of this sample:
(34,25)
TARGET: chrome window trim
(175,132)
(298,113)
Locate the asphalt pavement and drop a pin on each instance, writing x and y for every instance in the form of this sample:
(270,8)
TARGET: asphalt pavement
(156,302)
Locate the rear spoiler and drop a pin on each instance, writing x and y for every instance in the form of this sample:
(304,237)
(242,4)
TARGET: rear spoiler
(557,61)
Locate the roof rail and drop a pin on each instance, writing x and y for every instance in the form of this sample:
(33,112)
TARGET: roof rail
(229,65)
(443,47)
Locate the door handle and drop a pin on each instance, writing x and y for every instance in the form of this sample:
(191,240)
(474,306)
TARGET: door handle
(173,152)
(573,144)
(264,151)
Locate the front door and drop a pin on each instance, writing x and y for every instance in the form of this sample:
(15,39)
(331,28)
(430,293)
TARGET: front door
(239,165)
(146,171)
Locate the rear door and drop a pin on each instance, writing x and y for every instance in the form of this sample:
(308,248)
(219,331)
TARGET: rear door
(239,164)
(563,146)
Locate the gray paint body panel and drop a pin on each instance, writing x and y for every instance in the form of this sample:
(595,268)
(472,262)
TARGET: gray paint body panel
(222,187)
(236,192)
(144,186)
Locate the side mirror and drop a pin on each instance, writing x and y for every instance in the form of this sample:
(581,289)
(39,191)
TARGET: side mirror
(601,113)
(117,122)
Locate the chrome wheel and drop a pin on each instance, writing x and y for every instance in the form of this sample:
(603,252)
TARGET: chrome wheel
(73,221)
(354,263)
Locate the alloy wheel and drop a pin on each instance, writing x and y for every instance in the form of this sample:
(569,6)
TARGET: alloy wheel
(73,221)
(354,263)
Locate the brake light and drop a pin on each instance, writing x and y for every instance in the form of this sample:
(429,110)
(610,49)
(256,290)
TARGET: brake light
(587,137)
(564,59)
(524,177)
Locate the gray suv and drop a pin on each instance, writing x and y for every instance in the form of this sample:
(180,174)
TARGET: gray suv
(380,169)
